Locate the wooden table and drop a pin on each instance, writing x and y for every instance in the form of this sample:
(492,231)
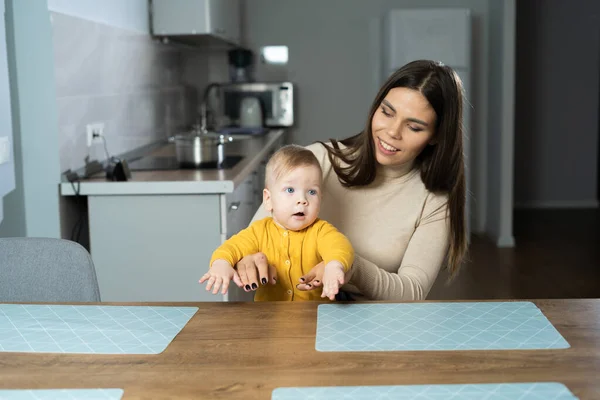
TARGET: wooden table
(245,350)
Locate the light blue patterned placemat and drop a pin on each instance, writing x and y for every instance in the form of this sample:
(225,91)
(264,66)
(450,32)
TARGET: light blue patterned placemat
(62,394)
(504,391)
(90,329)
(435,326)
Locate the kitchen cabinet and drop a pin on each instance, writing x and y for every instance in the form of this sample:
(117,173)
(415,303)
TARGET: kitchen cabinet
(197,21)
(150,242)
(225,16)
(241,205)
(156,247)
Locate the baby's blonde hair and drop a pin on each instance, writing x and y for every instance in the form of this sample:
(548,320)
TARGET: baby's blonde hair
(288,158)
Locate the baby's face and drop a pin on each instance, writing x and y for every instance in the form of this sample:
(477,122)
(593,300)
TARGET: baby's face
(295,198)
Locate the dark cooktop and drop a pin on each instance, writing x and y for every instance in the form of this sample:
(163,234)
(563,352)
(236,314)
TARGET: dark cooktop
(165,163)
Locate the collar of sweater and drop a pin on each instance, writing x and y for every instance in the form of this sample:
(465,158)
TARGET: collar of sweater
(394,172)
(281,229)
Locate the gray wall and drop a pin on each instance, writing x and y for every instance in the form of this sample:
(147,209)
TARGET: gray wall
(332,61)
(556,121)
(32,208)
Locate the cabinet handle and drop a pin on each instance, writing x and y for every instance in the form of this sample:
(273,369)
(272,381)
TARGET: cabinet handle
(234,206)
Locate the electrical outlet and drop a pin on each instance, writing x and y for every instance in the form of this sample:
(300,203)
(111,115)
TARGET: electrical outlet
(95,128)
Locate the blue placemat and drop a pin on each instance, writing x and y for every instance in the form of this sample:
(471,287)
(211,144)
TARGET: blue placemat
(504,391)
(435,326)
(90,329)
(62,394)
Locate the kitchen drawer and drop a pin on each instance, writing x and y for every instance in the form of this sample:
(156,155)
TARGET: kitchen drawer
(240,206)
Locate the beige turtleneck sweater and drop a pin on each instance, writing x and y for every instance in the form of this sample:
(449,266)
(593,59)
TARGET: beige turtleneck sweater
(399,230)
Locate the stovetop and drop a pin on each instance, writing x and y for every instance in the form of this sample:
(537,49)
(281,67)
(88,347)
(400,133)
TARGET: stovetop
(168,163)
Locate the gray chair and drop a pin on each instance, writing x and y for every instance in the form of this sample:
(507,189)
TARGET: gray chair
(45,270)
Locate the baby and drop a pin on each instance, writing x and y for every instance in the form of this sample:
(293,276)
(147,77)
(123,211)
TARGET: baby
(293,239)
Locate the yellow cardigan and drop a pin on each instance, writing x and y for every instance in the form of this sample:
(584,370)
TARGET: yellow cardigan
(292,253)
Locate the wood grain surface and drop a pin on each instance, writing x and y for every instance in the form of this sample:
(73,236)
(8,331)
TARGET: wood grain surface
(245,350)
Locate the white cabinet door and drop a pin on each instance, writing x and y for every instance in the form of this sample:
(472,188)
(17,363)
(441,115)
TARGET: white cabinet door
(179,17)
(240,206)
(227,19)
(217,9)
(153,247)
(219,18)
(224,16)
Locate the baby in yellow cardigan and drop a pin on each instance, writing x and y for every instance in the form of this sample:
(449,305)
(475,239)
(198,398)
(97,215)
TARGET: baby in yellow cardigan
(293,239)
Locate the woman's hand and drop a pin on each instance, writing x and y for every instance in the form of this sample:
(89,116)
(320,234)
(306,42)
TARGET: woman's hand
(254,270)
(313,279)
(333,279)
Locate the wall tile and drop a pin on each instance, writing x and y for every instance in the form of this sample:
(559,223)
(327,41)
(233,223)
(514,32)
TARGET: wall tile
(139,87)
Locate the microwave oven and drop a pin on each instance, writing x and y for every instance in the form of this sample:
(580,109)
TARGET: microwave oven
(276,100)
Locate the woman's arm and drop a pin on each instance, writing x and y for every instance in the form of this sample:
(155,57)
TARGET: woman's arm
(425,254)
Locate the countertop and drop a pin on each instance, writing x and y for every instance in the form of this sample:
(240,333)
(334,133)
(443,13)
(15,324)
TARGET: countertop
(183,181)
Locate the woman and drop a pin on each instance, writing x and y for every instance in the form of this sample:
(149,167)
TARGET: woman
(396,190)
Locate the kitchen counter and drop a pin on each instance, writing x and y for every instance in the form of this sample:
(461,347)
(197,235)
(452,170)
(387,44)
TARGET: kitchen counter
(151,238)
(185,181)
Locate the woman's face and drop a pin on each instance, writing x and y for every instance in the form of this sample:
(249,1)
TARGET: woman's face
(402,126)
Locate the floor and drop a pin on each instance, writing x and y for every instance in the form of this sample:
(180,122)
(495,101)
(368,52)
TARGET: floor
(557,255)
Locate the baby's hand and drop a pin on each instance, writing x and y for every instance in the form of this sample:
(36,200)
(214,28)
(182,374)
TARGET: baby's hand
(333,279)
(219,275)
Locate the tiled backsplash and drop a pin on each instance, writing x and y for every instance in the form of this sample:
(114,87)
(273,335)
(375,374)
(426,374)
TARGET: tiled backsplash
(133,84)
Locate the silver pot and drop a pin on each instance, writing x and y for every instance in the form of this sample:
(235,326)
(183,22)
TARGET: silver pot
(197,149)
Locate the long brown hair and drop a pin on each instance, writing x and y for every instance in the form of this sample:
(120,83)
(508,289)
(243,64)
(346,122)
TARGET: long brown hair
(442,165)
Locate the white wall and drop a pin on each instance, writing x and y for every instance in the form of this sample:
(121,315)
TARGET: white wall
(127,14)
(333,59)
(32,208)
(558,64)
(124,79)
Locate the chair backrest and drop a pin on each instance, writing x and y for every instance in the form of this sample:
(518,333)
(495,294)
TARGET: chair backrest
(46,270)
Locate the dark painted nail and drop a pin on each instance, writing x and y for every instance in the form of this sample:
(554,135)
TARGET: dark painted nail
(317,281)
(264,281)
(254,286)
(302,279)
(247,287)
(275,279)
(308,285)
